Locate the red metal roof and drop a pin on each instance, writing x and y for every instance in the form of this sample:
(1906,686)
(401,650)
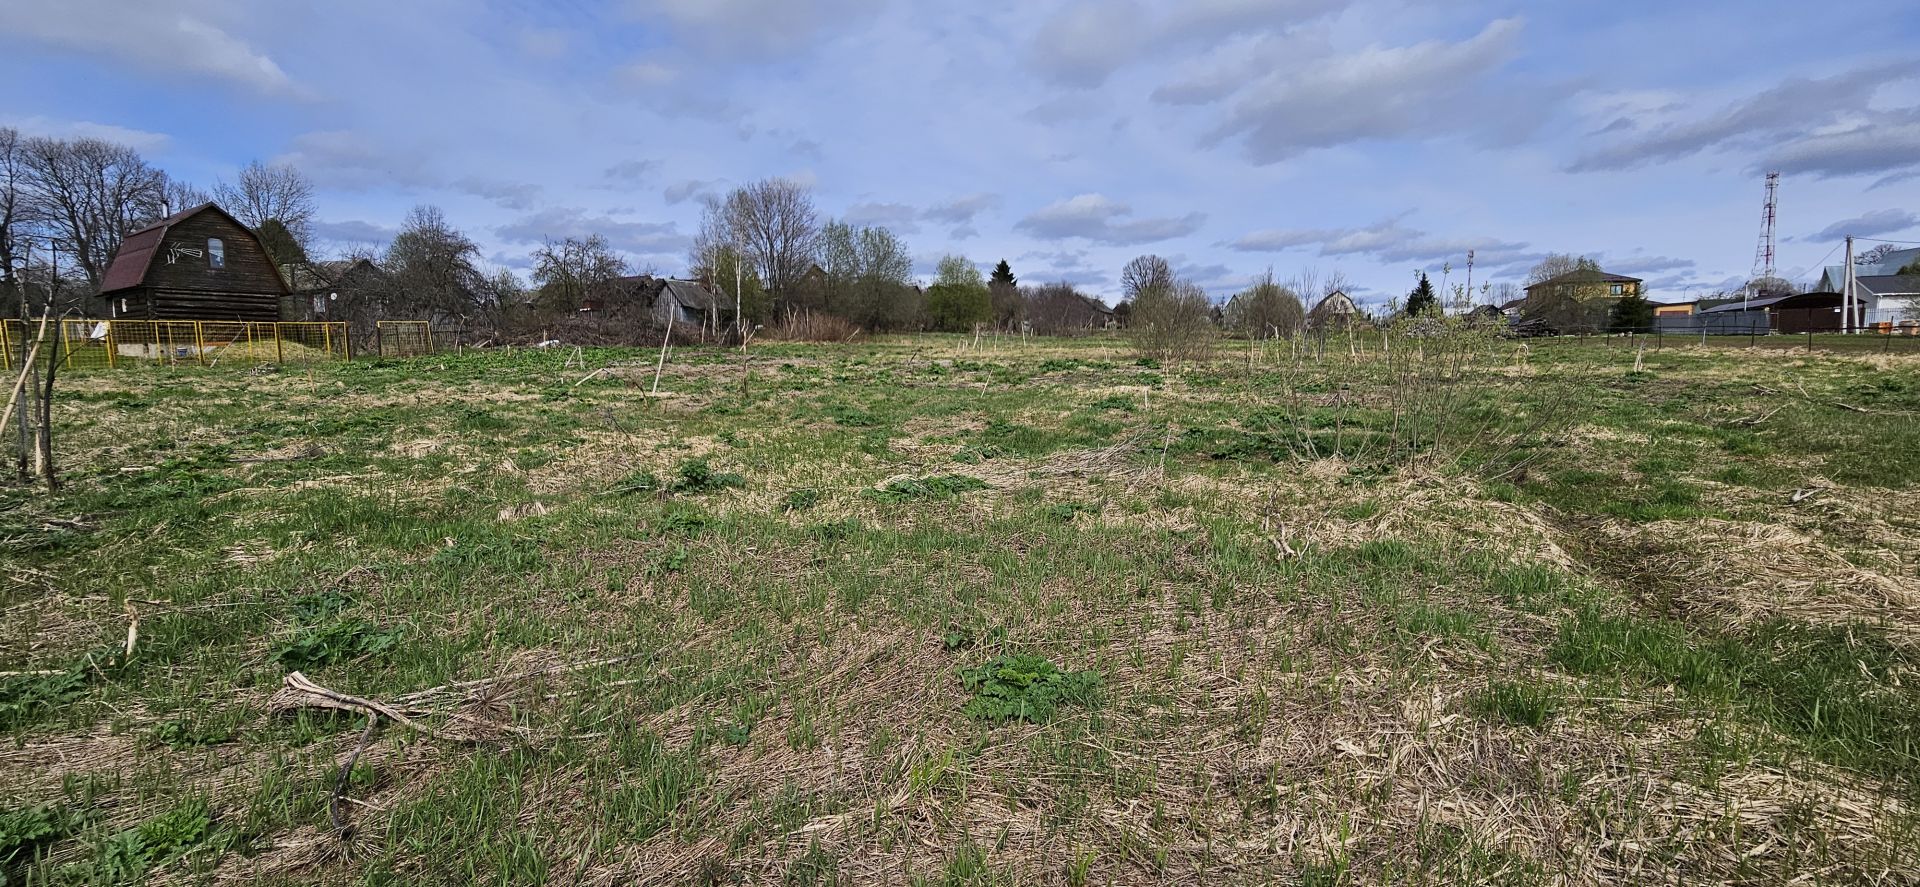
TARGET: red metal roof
(131,260)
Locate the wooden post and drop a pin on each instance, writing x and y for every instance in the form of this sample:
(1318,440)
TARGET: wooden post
(200,342)
(112,349)
(66,344)
(326,333)
(279,349)
(429,326)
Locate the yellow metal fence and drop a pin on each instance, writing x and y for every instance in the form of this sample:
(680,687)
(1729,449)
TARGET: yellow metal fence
(112,343)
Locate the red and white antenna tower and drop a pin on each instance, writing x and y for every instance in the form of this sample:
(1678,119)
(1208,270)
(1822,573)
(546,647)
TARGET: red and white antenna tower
(1763,255)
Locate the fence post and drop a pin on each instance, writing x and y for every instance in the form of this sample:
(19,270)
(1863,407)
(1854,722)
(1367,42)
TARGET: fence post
(113,350)
(279,348)
(1809,341)
(200,342)
(326,334)
(379,340)
(429,337)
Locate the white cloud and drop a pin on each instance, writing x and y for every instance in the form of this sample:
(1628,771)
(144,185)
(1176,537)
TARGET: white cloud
(1085,42)
(165,37)
(1378,92)
(137,139)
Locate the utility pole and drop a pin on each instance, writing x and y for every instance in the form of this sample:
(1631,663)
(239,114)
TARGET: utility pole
(1469,274)
(1846,295)
(739,322)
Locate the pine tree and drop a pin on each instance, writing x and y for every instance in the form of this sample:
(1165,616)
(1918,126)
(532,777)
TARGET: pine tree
(1421,301)
(1632,314)
(1003,273)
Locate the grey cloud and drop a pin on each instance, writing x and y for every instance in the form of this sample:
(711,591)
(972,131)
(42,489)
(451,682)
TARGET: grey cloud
(964,232)
(1888,145)
(753,26)
(137,139)
(1647,264)
(1882,221)
(897,216)
(962,209)
(349,160)
(1388,241)
(353,232)
(645,238)
(1085,42)
(1795,106)
(506,195)
(1380,92)
(682,191)
(630,172)
(1097,218)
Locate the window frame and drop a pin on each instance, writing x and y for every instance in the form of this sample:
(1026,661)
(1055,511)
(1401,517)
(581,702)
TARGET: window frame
(216,254)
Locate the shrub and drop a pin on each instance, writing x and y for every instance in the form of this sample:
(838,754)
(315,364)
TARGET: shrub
(1024,688)
(696,476)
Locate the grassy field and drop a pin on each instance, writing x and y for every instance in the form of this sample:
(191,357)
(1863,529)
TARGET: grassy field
(931,611)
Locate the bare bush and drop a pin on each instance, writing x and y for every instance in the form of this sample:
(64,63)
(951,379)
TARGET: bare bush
(812,326)
(1172,321)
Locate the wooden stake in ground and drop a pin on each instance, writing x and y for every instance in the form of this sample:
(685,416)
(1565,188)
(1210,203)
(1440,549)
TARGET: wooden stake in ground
(662,364)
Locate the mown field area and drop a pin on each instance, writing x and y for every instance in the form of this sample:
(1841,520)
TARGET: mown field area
(936,611)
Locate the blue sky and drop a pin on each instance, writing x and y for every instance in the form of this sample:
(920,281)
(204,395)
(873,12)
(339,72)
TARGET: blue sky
(1373,138)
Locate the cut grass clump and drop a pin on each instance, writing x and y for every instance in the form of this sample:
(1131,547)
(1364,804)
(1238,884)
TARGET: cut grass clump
(1024,687)
(800,500)
(1529,705)
(23,831)
(909,489)
(335,640)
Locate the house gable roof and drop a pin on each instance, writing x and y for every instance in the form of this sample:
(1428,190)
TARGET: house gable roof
(136,253)
(1889,284)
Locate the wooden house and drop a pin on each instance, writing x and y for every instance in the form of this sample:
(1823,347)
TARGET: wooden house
(197,264)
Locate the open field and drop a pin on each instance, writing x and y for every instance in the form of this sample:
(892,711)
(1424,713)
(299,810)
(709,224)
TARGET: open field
(1462,612)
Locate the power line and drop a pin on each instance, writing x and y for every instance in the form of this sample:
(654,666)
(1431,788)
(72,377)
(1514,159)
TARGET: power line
(1879,240)
(1821,264)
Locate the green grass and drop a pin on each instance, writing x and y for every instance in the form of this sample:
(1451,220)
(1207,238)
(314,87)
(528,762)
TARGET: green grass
(1035,611)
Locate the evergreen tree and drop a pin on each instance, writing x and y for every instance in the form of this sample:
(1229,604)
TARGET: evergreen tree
(1422,301)
(1632,314)
(1008,308)
(281,246)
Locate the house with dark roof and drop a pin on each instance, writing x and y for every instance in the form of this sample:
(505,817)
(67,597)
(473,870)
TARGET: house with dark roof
(685,302)
(197,264)
(1585,284)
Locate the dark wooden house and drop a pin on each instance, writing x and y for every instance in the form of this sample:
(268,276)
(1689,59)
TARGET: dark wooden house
(197,264)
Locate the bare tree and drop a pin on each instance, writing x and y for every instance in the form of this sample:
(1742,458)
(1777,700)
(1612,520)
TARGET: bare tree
(91,194)
(277,192)
(180,194)
(15,218)
(773,224)
(1556,264)
(1336,282)
(434,268)
(1145,274)
(569,273)
(1267,310)
(1057,309)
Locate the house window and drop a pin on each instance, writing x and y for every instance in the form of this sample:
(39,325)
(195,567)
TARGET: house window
(1617,289)
(216,253)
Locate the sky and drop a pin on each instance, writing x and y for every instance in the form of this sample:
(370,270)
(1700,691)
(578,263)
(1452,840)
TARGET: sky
(1376,138)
